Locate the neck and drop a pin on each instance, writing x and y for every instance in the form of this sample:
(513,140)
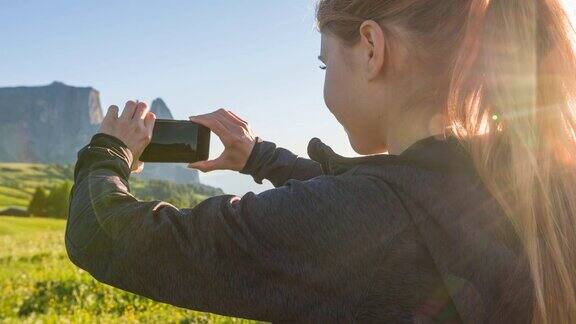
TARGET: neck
(411,128)
(421,114)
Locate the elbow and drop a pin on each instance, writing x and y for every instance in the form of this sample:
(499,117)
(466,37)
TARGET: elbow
(95,256)
(78,258)
(86,245)
(89,259)
(75,254)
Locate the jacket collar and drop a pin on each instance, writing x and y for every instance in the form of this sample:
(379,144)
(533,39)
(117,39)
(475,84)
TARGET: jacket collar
(432,153)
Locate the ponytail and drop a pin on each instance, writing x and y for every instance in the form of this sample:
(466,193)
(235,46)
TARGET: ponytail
(514,82)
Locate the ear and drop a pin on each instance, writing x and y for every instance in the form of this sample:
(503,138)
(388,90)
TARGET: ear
(374,48)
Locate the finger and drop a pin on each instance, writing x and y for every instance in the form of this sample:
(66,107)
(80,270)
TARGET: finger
(204,117)
(128,110)
(112,113)
(207,166)
(237,117)
(149,122)
(213,123)
(141,110)
(225,119)
(220,115)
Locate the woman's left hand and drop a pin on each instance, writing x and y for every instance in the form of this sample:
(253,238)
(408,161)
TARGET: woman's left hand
(134,128)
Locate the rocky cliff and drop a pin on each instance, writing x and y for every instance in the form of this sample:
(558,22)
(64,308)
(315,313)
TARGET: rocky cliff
(49,124)
(159,108)
(45,124)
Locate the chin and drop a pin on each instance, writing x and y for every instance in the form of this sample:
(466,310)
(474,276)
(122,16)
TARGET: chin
(364,148)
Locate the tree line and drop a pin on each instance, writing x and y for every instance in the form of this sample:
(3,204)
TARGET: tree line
(51,201)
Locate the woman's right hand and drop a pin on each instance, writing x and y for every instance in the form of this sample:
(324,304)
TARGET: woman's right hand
(235,134)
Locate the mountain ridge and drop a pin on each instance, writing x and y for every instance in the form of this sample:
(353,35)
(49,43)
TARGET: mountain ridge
(51,123)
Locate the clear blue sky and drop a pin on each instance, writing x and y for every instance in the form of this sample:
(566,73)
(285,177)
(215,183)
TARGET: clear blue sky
(255,57)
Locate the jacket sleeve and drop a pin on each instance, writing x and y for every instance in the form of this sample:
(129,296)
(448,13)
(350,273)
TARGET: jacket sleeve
(278,164)
(271,256)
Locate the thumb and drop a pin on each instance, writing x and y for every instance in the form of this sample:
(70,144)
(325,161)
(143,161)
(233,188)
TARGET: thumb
(207,166)
(139,168)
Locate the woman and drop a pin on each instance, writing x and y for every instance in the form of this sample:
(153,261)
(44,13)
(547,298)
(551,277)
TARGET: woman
(470,218)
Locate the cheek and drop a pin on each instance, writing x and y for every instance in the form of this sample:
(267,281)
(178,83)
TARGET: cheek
(328,92)
(336,94)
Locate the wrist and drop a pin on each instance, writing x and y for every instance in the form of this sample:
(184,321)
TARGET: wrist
(253,152)
(115,145)
(116,140)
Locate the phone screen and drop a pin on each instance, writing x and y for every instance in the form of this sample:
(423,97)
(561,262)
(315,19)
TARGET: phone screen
(177,141)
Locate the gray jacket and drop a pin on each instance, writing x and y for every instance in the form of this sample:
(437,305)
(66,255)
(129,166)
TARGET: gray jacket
(413,237)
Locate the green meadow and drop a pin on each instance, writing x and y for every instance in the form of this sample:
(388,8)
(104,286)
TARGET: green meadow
(38,284)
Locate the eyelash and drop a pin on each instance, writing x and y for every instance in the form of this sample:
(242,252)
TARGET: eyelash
(322,67)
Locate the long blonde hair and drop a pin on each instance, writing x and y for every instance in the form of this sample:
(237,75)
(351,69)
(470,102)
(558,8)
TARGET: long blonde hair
(510,67)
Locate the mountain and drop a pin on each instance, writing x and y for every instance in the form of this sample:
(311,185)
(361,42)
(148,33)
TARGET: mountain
(45,124)
(159,108)
(49,124)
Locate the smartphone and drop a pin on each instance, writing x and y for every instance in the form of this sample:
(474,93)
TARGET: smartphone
(177,141)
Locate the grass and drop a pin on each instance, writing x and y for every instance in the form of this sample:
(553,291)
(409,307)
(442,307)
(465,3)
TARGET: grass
(23,226)
(38,284)
(19,180)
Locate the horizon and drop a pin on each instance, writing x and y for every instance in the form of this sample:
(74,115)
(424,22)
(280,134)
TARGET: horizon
(256,58)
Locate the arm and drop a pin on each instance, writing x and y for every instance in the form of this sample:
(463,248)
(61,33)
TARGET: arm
(278,165)
(286,252)
(248,154)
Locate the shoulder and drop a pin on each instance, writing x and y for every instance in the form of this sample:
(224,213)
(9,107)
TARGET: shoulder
(457,201)
(414,181)
(453,207)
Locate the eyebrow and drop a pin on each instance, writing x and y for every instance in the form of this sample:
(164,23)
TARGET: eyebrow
(320,58)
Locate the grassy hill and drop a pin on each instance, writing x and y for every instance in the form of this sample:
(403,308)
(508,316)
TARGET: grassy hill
(38,284)
(18,181)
